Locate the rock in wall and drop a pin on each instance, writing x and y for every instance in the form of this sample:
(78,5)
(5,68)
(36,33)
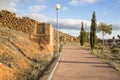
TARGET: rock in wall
(30,26)
(10,20)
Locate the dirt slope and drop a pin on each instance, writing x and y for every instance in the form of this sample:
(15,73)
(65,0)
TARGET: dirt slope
(20,58)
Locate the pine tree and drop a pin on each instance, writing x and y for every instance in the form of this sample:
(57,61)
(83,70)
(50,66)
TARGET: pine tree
(82,35)
(93,31)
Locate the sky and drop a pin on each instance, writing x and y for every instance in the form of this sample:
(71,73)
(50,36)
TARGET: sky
(71,13)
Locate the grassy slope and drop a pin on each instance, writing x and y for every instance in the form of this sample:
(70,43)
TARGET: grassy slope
(20,58)
(61,34)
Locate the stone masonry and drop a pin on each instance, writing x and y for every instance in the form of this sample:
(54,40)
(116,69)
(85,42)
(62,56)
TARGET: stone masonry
(10,20)
(43,31)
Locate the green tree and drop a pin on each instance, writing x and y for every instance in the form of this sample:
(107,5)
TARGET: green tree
(105,29)
(82,35)
(93,31)
(118,36)
(87,36)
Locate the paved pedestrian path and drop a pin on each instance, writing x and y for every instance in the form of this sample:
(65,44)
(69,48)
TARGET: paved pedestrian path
(78,64)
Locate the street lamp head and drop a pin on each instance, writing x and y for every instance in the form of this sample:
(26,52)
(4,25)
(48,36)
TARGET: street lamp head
(57,6)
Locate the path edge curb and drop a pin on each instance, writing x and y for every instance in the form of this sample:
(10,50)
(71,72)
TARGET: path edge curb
(55,67)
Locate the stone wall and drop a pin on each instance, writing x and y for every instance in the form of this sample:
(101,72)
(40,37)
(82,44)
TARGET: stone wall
(42,32)
(10,20)
(46,37)
(46,32)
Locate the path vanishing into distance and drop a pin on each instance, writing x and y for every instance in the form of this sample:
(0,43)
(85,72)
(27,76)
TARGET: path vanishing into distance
(78,64)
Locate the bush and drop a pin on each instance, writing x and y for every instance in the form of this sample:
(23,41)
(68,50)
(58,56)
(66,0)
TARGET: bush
(104,54)
(60,47)
(116,50)
(7,60)
(37,67)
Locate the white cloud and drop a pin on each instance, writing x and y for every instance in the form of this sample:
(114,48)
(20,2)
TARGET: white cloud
(74,24)
(8,5)
(70,26)
(64,8)
(116,27)
(24,2)
(38,17)
(36,8)
(41,1)
(81,2)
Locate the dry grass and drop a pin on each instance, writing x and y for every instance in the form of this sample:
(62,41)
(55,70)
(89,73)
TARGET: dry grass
(110,56)
(6,73)
(20,58)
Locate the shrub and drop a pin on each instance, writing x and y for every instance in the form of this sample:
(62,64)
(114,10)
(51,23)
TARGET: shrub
(60,47)
(104,54)
(116,50)
(7,60)
(37,67)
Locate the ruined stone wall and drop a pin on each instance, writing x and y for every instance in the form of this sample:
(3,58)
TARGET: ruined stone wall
(42,33)
(47,34)
(45,39)
(50,33)
(10,20)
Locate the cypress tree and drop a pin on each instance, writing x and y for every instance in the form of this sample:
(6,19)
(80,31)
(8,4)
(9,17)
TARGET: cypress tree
(93,31)
(82,35)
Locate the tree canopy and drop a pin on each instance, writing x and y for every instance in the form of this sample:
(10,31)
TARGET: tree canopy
(105,29)
(82,35)
(93,31)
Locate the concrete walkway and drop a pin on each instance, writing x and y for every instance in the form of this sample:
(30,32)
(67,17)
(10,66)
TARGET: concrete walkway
(78,64)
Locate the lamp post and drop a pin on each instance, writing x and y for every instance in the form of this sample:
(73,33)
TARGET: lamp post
(57,7)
